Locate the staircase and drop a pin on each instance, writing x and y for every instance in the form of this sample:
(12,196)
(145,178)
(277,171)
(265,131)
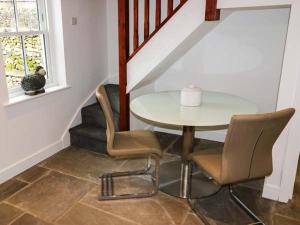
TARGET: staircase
(139,55)
(91,134)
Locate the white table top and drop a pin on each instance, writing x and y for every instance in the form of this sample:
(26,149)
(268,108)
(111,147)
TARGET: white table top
(216,109)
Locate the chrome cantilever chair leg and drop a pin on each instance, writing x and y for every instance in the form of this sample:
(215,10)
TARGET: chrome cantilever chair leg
(107,182)
(257,221)
(244,207)
(189,198)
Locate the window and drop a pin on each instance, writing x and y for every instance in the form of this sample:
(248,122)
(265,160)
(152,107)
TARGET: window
(24,39)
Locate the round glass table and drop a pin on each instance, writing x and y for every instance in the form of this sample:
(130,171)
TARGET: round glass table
(214,113)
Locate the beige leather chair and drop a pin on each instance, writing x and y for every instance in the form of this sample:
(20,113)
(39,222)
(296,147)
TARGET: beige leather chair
(129,144)
(247,151)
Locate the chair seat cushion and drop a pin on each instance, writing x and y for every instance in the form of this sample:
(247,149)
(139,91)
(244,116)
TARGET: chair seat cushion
(135,143)
(209,160)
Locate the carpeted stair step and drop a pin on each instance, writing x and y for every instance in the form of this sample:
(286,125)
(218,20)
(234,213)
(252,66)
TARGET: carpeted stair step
(98,133)
(93,115)
(89,137)
(112,91)
(91,134)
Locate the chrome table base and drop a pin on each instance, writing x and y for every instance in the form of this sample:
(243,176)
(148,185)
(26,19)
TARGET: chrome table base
(175,175)
(172,183)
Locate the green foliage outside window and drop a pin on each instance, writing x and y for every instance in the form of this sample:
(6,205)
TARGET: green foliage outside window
(23,52)
(13,55)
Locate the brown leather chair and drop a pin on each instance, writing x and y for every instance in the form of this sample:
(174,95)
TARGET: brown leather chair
(128,144)
(247,151)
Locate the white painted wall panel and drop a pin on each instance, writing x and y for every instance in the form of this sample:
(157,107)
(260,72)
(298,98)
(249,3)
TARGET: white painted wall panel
(242,56)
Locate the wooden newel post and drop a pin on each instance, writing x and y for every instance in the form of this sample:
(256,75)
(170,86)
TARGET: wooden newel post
(212,13)
(123,10)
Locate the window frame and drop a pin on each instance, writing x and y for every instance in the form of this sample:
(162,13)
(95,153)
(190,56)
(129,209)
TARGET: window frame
(44,31)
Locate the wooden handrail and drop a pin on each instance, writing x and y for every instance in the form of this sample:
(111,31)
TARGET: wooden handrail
(212,13)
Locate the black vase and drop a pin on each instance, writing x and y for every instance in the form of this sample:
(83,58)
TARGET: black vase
(33,84)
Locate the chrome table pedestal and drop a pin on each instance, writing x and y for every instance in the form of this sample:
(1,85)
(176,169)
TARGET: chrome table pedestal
(174,176)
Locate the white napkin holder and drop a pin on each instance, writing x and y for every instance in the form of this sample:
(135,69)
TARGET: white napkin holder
(191,96)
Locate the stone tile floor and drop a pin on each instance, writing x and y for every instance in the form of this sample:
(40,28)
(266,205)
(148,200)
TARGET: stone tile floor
(64,190)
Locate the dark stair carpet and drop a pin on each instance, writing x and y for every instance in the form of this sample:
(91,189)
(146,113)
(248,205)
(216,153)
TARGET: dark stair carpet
(91,134)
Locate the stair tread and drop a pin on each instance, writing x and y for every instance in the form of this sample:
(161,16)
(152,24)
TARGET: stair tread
(91,106)
(95,132)
(112,91)
(88,143)
(93,115)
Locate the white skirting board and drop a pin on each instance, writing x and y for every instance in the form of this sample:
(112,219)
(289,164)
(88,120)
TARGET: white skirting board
(24,164)
(271,192)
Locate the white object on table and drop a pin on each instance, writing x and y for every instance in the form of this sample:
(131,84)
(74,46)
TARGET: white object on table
(191,96)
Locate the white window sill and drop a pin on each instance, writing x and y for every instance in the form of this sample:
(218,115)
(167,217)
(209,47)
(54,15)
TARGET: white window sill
(25,98)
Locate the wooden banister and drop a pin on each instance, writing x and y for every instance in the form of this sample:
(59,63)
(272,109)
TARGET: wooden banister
(157,14)
(123,11)
(146,19)
(212,13)
(148,37)
(170,7)
(136,24)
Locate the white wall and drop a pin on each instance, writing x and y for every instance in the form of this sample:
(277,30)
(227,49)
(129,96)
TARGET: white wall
(31,131)
(112,39)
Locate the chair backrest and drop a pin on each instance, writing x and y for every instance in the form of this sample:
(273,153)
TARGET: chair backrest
(247,153)
(106,107)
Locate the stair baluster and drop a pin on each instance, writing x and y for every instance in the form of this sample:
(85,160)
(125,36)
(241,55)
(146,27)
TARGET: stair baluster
(212,13)
(136,24)
(170,7)
(146,19)
(157,14)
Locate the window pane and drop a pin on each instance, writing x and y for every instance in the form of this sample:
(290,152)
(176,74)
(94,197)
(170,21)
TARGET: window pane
(7,16)
(28,19)
(35,52)
(13,58)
